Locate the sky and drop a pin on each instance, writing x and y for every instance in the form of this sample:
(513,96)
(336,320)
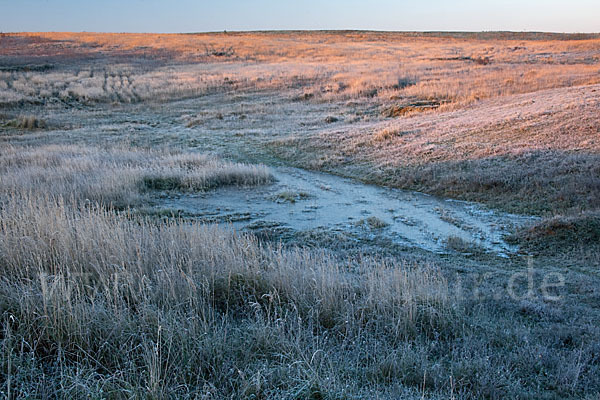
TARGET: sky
(235,15)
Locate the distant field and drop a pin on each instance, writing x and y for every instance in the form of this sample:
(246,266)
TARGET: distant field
(445,70)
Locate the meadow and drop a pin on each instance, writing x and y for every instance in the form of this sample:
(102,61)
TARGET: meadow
(108,290)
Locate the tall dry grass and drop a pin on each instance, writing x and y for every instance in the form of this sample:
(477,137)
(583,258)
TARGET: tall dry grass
(95,303)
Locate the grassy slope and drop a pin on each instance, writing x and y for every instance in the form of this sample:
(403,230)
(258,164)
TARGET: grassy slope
(536,152)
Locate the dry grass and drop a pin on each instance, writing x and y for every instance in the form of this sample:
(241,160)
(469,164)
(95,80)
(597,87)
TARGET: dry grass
(458,244)
(29,122)
(117,177)
(533,153)
(99,304)
(386,134)
(321,66)
(372,223)
(291,196)
(97,301)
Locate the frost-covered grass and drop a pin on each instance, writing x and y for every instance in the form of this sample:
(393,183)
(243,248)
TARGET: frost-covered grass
(117,177)
(530,153)
(94,302)
(105,304)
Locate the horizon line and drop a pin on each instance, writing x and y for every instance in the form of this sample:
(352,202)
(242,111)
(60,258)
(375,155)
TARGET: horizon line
(315,30)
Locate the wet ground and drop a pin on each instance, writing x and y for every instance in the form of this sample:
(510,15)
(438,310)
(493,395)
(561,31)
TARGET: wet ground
(303,201)
(238,127)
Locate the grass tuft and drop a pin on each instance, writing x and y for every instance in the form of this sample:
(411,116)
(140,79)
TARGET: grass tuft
(461,245)
(28,123)
(372,223)
(386,134)
(291,196)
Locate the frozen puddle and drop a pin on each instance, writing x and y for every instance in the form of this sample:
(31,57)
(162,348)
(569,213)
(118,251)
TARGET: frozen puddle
(302,200)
